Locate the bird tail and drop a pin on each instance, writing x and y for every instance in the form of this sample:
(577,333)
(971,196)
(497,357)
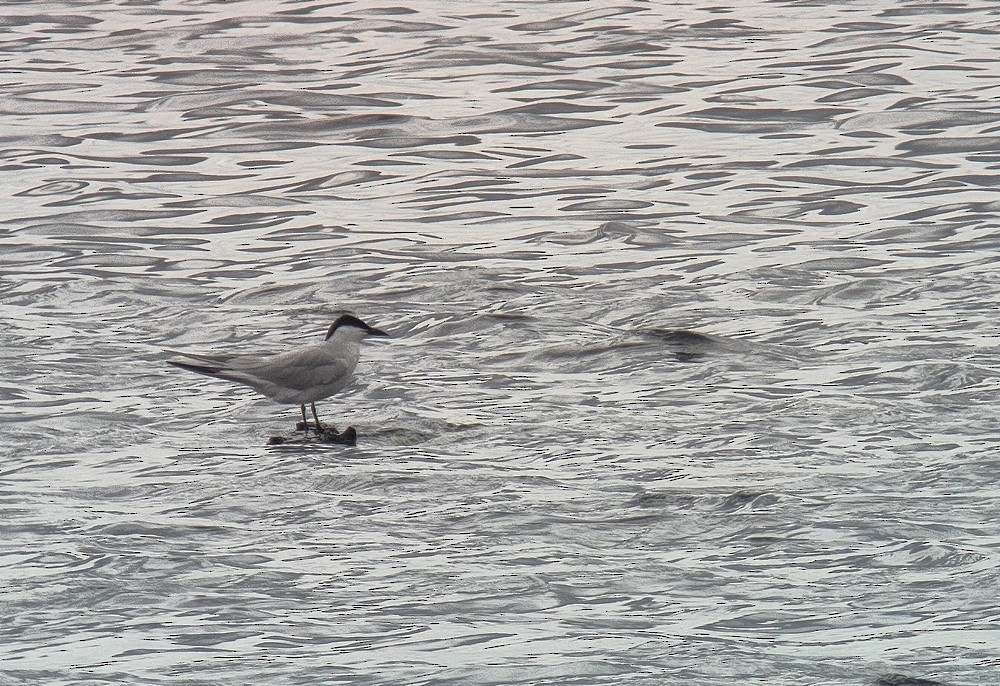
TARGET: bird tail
(207,367)
(220,367)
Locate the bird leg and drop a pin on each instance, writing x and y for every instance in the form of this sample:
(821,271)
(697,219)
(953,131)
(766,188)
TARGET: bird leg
(319,427)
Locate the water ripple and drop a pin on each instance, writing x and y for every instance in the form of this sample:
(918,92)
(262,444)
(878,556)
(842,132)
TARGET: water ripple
(691,376)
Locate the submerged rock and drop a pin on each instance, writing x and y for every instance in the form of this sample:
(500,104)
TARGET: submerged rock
(686,346)
(329,434)
(904,680)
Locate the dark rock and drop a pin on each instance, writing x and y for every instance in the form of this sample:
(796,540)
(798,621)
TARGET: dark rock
(327,434)
(348,437)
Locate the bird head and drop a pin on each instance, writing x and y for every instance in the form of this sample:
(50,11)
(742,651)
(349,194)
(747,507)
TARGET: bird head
(350,321)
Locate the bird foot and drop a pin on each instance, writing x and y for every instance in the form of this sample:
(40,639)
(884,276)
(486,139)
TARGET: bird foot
(318,428)
(325,434)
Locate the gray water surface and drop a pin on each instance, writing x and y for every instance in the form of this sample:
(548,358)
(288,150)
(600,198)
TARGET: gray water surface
(693,376)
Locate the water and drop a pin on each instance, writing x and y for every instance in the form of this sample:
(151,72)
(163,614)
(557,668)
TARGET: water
(693,370)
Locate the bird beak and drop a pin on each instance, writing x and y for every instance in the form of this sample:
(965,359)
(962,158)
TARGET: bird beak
(372,331)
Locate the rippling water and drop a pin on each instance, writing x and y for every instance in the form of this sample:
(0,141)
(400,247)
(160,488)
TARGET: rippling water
(693,372)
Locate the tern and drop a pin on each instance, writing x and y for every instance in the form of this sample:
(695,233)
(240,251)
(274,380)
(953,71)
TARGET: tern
(296,377)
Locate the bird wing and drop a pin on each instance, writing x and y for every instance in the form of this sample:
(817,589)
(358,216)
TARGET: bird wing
(298,376)
(302,369)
